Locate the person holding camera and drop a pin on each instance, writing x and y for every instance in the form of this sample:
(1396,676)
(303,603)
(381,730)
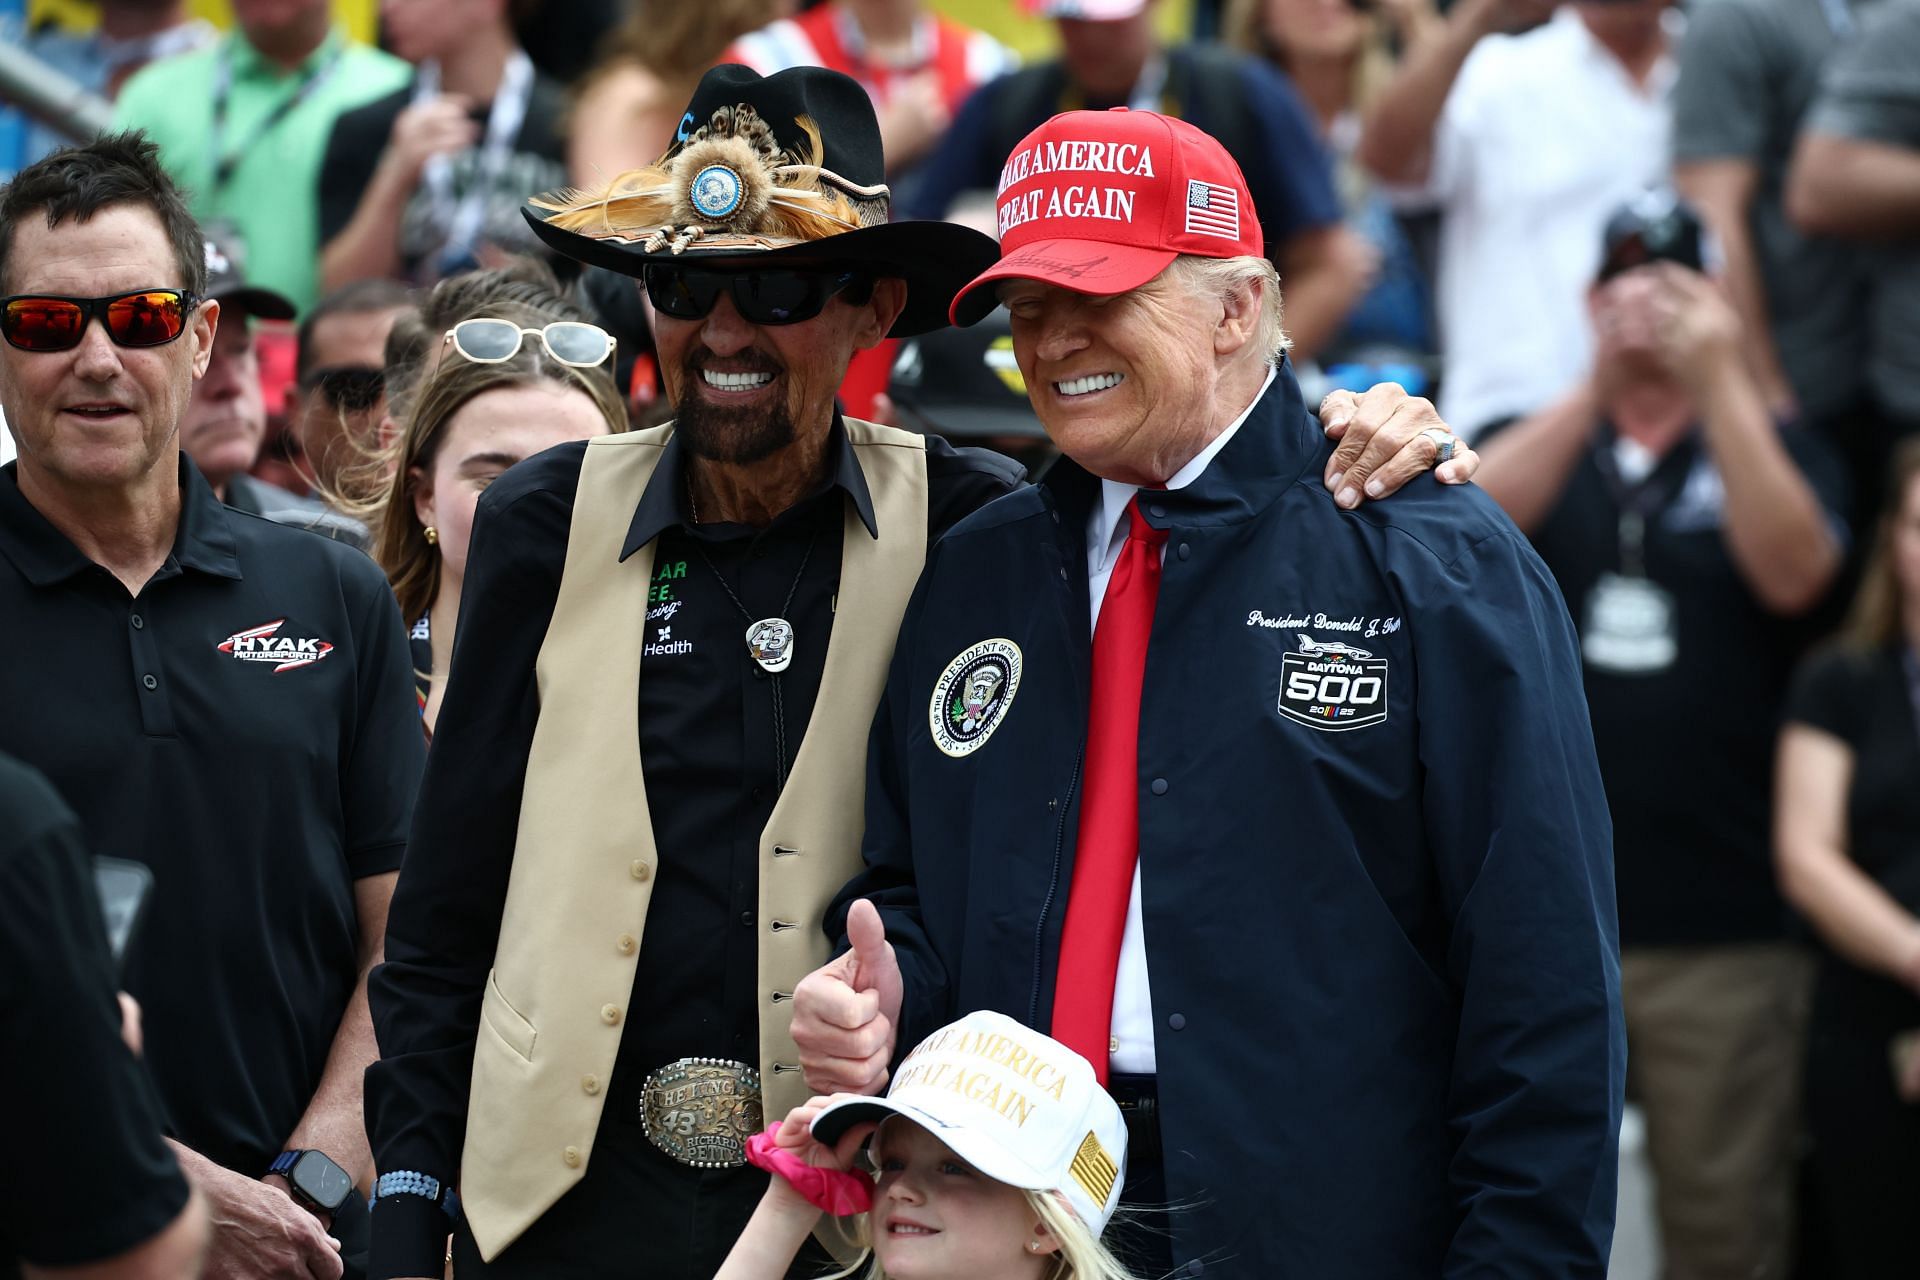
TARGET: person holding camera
(1693,536)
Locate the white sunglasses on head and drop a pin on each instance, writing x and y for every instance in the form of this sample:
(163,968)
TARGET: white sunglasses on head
(489,341)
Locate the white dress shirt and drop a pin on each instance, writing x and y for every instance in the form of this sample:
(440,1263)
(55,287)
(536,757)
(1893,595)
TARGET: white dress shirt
(1131,1047)
(1543,136)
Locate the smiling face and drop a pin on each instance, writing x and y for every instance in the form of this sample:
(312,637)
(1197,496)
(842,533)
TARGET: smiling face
(227,417)
(936,1217)
(1122,383)
(99,416)
(741,392)
(485,436)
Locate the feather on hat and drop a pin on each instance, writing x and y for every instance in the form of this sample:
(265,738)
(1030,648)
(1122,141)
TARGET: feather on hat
(728,179)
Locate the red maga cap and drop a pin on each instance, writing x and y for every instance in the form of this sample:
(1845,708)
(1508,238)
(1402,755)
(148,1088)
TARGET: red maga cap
(1101,201)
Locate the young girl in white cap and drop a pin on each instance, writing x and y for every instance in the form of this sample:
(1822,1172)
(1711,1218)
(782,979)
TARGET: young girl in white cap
(1000,1157)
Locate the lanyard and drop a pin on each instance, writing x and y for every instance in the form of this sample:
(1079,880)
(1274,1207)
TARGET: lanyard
(509,111)
(1638,503)
(225,162)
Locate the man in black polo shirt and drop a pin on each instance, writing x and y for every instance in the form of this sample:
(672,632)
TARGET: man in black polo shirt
(1692,536)
(89,1134)
(223,699)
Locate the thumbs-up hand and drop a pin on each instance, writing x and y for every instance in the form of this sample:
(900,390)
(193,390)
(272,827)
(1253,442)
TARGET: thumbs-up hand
(845,1012)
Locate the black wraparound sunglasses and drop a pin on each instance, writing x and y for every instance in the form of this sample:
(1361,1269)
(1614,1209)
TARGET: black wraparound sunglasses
(49,322)
(767,296)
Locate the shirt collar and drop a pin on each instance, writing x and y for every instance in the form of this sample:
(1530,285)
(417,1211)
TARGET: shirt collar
(664,503)
(249,61)
(45,556)
(1104,531)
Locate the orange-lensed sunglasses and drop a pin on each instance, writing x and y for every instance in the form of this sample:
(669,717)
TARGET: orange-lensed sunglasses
(143,318)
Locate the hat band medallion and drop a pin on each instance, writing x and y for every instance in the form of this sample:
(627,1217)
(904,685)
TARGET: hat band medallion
(716,192)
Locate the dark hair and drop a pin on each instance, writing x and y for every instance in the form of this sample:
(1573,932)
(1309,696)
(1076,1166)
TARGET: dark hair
(356,299)
(1873,623)
(114,169)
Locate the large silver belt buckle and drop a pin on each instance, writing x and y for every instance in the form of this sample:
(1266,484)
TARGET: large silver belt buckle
(701,1111)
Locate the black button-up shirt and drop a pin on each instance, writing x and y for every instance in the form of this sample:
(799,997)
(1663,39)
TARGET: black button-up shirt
(713,750)
(245,726)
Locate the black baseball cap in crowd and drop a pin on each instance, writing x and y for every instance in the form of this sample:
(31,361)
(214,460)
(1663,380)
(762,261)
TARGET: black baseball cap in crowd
(227,284)
(964,383)
(1655,227)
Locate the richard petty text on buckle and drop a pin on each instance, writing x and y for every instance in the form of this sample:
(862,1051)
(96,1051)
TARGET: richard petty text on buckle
(701,1111)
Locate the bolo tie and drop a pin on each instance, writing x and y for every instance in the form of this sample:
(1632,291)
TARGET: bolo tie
(769,640)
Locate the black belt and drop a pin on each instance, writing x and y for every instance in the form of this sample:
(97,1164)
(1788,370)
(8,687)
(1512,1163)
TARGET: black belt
(1139,1099)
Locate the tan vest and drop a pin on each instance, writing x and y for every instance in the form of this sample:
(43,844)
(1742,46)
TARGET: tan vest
(584,859)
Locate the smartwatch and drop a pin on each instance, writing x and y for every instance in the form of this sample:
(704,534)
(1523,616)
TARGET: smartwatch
(318,1184)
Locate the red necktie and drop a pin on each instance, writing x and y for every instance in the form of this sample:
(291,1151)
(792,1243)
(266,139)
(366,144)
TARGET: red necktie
(1109,842)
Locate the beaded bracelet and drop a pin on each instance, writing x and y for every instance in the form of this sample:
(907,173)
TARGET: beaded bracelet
(830,1190)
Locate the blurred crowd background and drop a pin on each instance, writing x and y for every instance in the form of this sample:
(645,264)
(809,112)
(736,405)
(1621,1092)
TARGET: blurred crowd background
(1661,263)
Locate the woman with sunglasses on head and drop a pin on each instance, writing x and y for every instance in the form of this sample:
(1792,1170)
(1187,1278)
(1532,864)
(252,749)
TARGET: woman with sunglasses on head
(500,393)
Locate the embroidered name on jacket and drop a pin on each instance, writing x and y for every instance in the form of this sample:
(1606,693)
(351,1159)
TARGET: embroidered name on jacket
(1333,685)
(973,696)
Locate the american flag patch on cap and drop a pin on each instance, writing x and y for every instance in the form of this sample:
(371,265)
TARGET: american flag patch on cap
(1212,210)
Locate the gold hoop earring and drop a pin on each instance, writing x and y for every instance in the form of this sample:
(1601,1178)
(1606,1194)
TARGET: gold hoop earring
(433,535)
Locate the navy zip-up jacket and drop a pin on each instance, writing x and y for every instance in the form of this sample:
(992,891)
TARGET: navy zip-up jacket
(1376,861)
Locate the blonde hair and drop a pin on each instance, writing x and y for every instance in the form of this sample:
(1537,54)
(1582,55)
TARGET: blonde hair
(672,38)
(1224,278)
(1874,621)
(1243,26)
(1082,1256)
(380,492)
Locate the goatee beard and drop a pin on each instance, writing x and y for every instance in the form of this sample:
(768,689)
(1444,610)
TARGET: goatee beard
(736,436)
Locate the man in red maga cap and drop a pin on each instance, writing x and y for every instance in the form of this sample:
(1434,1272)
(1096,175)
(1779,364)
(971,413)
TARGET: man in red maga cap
(1284,814)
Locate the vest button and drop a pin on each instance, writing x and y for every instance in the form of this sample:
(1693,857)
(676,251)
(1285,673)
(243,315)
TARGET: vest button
(610,1014)
(149,682)
(572,1156)
(1159,786)
(1185,551)
(641,871)
(626,943)
(1178,1021)
(590,1084)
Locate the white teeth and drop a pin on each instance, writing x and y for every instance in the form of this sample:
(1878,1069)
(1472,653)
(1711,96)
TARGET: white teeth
(905,1229)
(735,381)
(1094,382)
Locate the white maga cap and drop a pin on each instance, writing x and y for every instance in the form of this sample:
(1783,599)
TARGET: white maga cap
(1018,1106)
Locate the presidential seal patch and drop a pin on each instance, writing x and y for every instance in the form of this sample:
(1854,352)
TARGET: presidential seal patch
(972,696)
(1333,685)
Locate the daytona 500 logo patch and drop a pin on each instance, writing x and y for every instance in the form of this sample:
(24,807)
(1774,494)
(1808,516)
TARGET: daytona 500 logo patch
(1333,686)
(973,695)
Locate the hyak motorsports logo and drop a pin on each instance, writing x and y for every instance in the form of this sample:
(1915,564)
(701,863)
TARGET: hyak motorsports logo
(973,696)
(264,643)
(1333,686)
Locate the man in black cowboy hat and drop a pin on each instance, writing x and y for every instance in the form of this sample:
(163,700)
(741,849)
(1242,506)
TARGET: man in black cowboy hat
(616,882)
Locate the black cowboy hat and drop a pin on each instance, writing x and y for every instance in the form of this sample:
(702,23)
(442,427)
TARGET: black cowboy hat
(781,168)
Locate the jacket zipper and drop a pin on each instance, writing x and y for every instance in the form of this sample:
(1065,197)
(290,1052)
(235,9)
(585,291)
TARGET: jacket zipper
(1053,887)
